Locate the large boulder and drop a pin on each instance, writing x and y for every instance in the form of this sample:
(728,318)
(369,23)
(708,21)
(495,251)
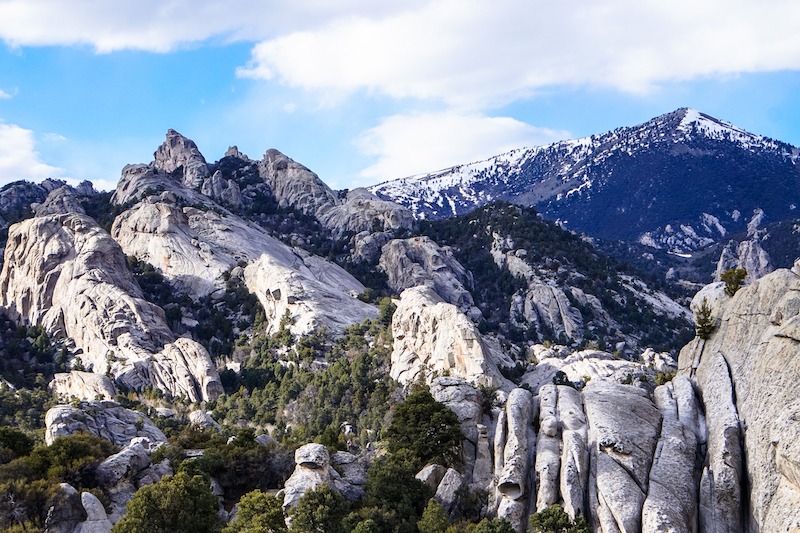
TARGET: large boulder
(311,471)
(96,518)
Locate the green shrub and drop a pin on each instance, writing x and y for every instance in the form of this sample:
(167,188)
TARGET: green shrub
(733,279)
(555,520)
(176,504)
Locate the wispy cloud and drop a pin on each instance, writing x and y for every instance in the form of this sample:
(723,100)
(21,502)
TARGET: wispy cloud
(4,95)
(18,156)
(407,145)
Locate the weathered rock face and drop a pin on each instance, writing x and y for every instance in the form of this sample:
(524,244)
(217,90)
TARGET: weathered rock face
(96,518)
(105,419)
(65,273)
(295,185)
(671,503)
(314,294)
(466,402)
(515,444)
(67,511)
(420,261)
(123,473)
(748,372)
(179,155)
(82,385)
(59,201)
(580,366)
(623,432)
(432,336)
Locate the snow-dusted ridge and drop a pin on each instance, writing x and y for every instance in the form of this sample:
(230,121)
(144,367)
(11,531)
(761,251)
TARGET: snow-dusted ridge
(654,163)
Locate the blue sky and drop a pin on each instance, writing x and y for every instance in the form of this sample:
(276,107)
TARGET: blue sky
(363,91)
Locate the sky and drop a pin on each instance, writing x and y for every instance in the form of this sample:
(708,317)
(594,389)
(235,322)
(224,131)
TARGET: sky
(364,91)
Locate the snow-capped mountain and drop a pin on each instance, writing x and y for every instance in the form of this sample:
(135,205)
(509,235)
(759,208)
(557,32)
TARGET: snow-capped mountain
(679,181)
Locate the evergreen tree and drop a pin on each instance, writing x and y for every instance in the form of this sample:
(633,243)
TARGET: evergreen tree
(259,512)
(555,520)
(434,518)
(320,511)
(427,428)
(176,504)
(704,324)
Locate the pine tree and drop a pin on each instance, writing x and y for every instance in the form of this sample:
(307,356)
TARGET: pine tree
(704,324)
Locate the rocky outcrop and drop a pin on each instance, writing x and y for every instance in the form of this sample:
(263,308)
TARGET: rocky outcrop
(581,366)
(106,419)
(65,273)
(747,254)
(515,445)
(467,403)
(59,201)
(294,185)
(66,512)
(311,471)
(123,473)
(180,157)
(363,211)
(203,420)
(547,308)
(224,191)
(420,261)
(747,372)
(82,385)
(195,243)
(313,294)
(671,503)
(433,337)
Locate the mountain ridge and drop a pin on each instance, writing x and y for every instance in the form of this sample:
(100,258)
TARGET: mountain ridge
(636,183)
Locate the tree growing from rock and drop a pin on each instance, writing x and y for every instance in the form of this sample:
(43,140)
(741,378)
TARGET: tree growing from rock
(733,279)
(704,324)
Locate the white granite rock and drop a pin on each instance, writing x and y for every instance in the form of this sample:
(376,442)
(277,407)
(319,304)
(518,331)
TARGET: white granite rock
(82,385)
(105,419)
(433,337)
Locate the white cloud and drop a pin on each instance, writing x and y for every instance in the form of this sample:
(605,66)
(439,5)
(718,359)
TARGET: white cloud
(476,54)
(4,95)
(163,25)
(18,157)
(412,144)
